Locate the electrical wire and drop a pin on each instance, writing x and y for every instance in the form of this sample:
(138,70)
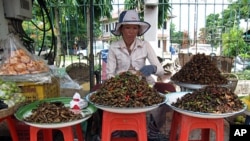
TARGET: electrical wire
(50,57)
(28,42)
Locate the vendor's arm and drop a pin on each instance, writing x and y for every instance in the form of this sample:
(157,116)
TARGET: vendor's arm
(111,63)
(153,60)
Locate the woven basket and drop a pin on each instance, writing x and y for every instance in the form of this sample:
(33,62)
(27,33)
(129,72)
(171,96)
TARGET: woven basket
(233,80)
(184,58)
(10,111)
(78,72)
(224,64)
(6,112)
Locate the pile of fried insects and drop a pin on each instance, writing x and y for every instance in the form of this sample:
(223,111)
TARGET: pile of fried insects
(126,90)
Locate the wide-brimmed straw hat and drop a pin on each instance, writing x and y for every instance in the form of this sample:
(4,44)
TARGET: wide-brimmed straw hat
(130,17)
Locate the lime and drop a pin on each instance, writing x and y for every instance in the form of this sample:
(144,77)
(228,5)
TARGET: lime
(239,118)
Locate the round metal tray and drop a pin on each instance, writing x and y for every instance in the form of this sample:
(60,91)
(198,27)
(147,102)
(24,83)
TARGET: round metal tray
(124,110)
(26,110)
(172,97)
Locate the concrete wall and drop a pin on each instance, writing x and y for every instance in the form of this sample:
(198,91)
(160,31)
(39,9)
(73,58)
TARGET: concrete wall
(3,23)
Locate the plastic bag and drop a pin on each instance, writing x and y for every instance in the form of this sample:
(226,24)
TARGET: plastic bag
(19,64)
(65,80)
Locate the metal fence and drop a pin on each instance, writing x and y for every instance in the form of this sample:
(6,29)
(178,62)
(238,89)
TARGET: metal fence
(190,22)
(213,23)
(189,17)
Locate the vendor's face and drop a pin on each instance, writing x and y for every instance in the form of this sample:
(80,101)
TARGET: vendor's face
(129,33)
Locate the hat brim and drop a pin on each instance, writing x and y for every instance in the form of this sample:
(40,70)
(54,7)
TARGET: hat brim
(144,26)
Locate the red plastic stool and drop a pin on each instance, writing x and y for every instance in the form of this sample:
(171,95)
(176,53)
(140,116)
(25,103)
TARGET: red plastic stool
(187,123)
(67,132)
(114,121)
(11,126)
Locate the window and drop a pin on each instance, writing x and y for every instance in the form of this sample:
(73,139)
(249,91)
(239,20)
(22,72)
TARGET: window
(107,28)
(165,25)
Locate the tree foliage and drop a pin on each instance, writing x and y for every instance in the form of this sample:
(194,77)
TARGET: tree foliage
(211,33)
(71,20)
(164,8)
(227,25)
(233,43)
(175,36)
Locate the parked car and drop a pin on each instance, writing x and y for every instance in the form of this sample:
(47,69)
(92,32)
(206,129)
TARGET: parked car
(82,53)
(200,50)
(98,46)
(45,50)
(240,64)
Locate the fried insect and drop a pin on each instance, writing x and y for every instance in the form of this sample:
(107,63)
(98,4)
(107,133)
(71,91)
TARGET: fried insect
(126,90)
(52,112)
(210,99)
(200,70)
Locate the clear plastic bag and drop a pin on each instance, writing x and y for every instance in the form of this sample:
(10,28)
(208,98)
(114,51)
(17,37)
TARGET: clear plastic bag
(19,64)
(65,80)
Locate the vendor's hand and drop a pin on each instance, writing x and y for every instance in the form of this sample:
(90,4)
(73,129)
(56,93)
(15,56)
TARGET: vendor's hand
(148,70)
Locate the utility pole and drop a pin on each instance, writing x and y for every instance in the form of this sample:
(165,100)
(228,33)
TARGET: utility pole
(91,55)
(151,16)
(195,22)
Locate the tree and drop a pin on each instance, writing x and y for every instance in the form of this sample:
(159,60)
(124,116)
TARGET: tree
(60,13)
(175,37)
(164,9)
(233,38)
(203,36)
(81,9)
(227,25)
(233,43)
(213,22)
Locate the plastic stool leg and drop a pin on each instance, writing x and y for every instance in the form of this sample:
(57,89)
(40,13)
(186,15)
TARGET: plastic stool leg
(67,133)
(33,133)
(142,131)
(79,132)
(47,134)
(114,121)
(174,127)
(184,130)
(106,128)
(220,131)
(205,134)
(186,124)
(206,125)
(190,123)
(12,128)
